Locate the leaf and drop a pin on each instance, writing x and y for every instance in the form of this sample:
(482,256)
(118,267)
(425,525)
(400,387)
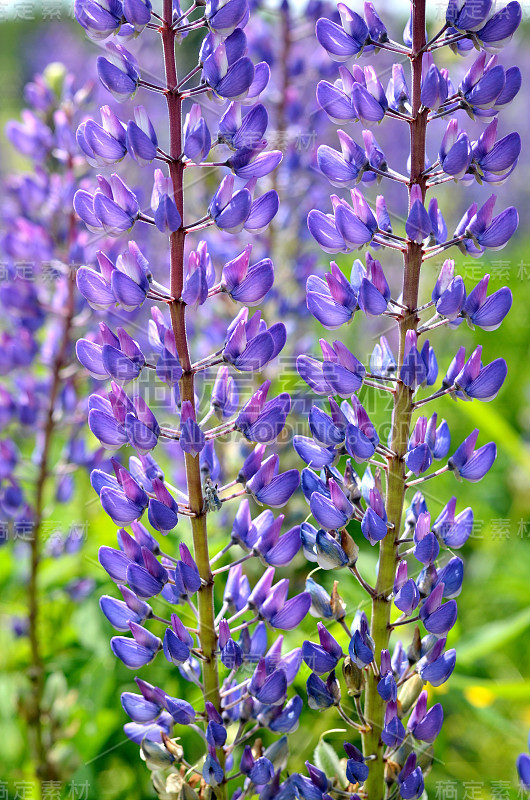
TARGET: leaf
(491,637)
(328,761)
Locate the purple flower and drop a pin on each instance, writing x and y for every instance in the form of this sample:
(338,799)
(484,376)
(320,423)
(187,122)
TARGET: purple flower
(250,345)
(455,153)
(228,75)
(410,779)
(224,19)
(197,138)
(225,397)
(177,642)
(121,497)
(482,383)
(322,658)
(230,210)
(120,612)
(471,464)
(137,13)
(419,224)
(334,511)
(361,646)
(167,217)
(438,617)
(467,16)
(425,725)
(271,488)
(453,531)
(356,769)
(162,511)
(332,301)
(374,521)
(406,592)
(119,72)
(245,283)
(103,144)
(113,207)
(320,694)
(434,88)
(488,231)
(142,141)
(138,651)
(499,29)
(342,170)
(487,311)
(260,770)
(343,42)
(393,733)
(523,769)
(99,19)
(192,439)
(418,367)
(251,163)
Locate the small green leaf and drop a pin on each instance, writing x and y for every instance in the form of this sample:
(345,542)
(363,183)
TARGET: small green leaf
(328,761)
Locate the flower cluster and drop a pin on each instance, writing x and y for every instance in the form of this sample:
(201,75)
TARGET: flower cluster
(138,491)
(239,680)
(43,394)
(418,574)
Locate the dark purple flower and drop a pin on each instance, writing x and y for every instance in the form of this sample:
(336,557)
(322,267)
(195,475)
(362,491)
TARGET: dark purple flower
(322,658)
(320,694)
(523,769)
(425,725)
(410,779)
(471,464)
(393,733)
(438,617)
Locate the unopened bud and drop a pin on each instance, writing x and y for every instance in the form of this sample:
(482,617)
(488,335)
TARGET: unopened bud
(187,793)
(353,677)
(392,770)
(352,483)
(334,687)
(425,758)
(349,547)
(409,693)
(338,606)
(414,651)
(155,755)
(278,753)
(173,746)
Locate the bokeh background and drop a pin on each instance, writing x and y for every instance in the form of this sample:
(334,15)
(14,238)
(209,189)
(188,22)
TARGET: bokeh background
(487,700)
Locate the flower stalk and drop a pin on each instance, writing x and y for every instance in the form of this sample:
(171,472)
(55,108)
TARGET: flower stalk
(205,602)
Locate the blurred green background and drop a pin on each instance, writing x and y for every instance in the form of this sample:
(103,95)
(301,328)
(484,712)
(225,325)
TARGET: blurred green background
(486,702)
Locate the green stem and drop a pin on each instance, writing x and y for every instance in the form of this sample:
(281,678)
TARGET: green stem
(206,609)
(44,769)
(401,423)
